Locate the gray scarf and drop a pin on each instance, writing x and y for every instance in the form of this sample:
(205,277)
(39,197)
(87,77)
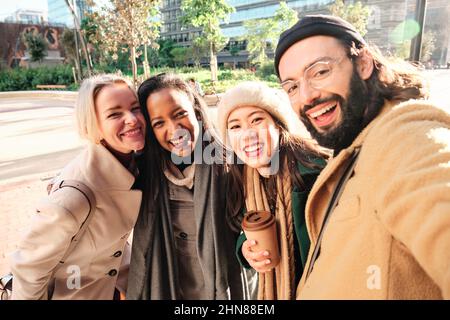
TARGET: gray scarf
(153,270)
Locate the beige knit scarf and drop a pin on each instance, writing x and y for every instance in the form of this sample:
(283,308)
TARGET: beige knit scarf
(278,283)
(183,179)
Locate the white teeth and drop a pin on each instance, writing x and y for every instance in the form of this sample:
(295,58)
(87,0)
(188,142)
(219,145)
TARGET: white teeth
(252,148)
(131,132)
(322,111)
(179,141)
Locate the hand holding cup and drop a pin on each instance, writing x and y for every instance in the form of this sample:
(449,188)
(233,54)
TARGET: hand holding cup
(261,248)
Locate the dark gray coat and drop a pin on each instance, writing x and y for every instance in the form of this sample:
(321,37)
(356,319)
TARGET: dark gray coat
(153,270)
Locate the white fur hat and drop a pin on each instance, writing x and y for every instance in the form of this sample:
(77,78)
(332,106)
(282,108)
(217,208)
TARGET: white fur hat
(257,94)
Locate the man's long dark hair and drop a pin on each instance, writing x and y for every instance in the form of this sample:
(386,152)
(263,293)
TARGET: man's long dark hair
(392,79)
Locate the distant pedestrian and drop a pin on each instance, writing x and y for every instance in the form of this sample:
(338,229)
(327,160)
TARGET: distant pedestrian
(196,86)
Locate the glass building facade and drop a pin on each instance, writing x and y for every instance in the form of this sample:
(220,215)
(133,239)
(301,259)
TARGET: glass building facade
(387,27)
(59,14)
(245,10)
(27,16)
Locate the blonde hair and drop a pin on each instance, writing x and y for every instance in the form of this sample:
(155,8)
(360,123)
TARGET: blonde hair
(85,114)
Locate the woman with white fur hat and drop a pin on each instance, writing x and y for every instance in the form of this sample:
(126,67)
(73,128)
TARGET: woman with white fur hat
(273,169)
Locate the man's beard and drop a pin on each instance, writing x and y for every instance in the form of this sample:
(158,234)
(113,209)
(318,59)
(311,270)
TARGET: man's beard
(352,113)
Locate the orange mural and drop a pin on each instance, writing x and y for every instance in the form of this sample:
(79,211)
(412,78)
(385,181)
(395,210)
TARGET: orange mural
(51,36)
(12,46)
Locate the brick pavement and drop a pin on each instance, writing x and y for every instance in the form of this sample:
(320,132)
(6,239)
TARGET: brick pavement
(17,201)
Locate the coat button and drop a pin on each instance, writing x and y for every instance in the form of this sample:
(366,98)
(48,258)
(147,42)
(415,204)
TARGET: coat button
(117,254)
(112,272)
(183,235)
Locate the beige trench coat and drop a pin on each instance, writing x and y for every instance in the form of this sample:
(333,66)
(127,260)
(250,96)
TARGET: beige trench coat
(92,268)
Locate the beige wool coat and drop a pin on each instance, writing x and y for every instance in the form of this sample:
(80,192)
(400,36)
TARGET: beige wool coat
(389,236)
(92,268)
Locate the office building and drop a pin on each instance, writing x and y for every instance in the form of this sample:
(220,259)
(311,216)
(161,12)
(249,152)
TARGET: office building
(26,16)
(387,20)
(245,10)
(59,13)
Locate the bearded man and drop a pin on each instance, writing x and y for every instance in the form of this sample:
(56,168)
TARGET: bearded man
(378,215)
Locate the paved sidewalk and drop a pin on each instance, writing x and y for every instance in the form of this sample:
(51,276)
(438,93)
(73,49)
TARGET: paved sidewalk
(18,202)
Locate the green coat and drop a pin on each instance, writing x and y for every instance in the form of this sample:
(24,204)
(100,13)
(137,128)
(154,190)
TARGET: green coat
(299,198)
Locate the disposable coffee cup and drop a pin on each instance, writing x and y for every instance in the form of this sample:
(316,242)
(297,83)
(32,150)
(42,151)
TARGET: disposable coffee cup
(261,226)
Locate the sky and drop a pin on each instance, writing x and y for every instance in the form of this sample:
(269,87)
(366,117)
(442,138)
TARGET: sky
(7,6)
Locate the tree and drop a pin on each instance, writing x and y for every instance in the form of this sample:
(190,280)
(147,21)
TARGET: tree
(263,34)
(179,55)
(36,46)
(197,51)
(428,46)
(89,30)
(357,14)
(257,36)
(234,52)
(68,42)
(70,5)
(132,23)
(165,58)
(426,51)
(207,15)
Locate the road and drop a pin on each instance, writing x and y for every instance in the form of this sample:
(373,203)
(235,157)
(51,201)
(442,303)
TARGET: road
(440,87)
(36,136)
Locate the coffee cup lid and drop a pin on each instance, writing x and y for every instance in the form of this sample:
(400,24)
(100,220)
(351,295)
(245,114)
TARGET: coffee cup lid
(255,220)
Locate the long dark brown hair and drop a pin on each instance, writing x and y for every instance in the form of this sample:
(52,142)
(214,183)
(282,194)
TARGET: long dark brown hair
(392,79)
(294,149)
(156,157)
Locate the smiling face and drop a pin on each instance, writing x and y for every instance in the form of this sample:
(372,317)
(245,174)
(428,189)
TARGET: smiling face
(173,121)
(320,105)
(331,108)
(253,135)
(120,121)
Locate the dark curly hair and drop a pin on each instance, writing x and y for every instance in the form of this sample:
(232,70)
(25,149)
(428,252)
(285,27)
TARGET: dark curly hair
(156,156)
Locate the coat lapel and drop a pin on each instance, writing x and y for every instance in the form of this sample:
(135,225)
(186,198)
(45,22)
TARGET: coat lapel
(201,183)
(323,189)
(106,175)
(326,182)
(113,183)
(202,212)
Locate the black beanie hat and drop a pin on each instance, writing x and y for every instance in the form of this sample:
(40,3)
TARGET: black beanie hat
(314,25)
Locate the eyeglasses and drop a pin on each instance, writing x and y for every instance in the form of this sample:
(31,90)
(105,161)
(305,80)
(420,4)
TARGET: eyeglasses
(317,76)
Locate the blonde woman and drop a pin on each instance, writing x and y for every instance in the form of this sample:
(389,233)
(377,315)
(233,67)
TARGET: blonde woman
(109,117)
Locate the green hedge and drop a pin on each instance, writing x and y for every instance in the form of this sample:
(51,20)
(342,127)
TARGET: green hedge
(267,72)
(27,79)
